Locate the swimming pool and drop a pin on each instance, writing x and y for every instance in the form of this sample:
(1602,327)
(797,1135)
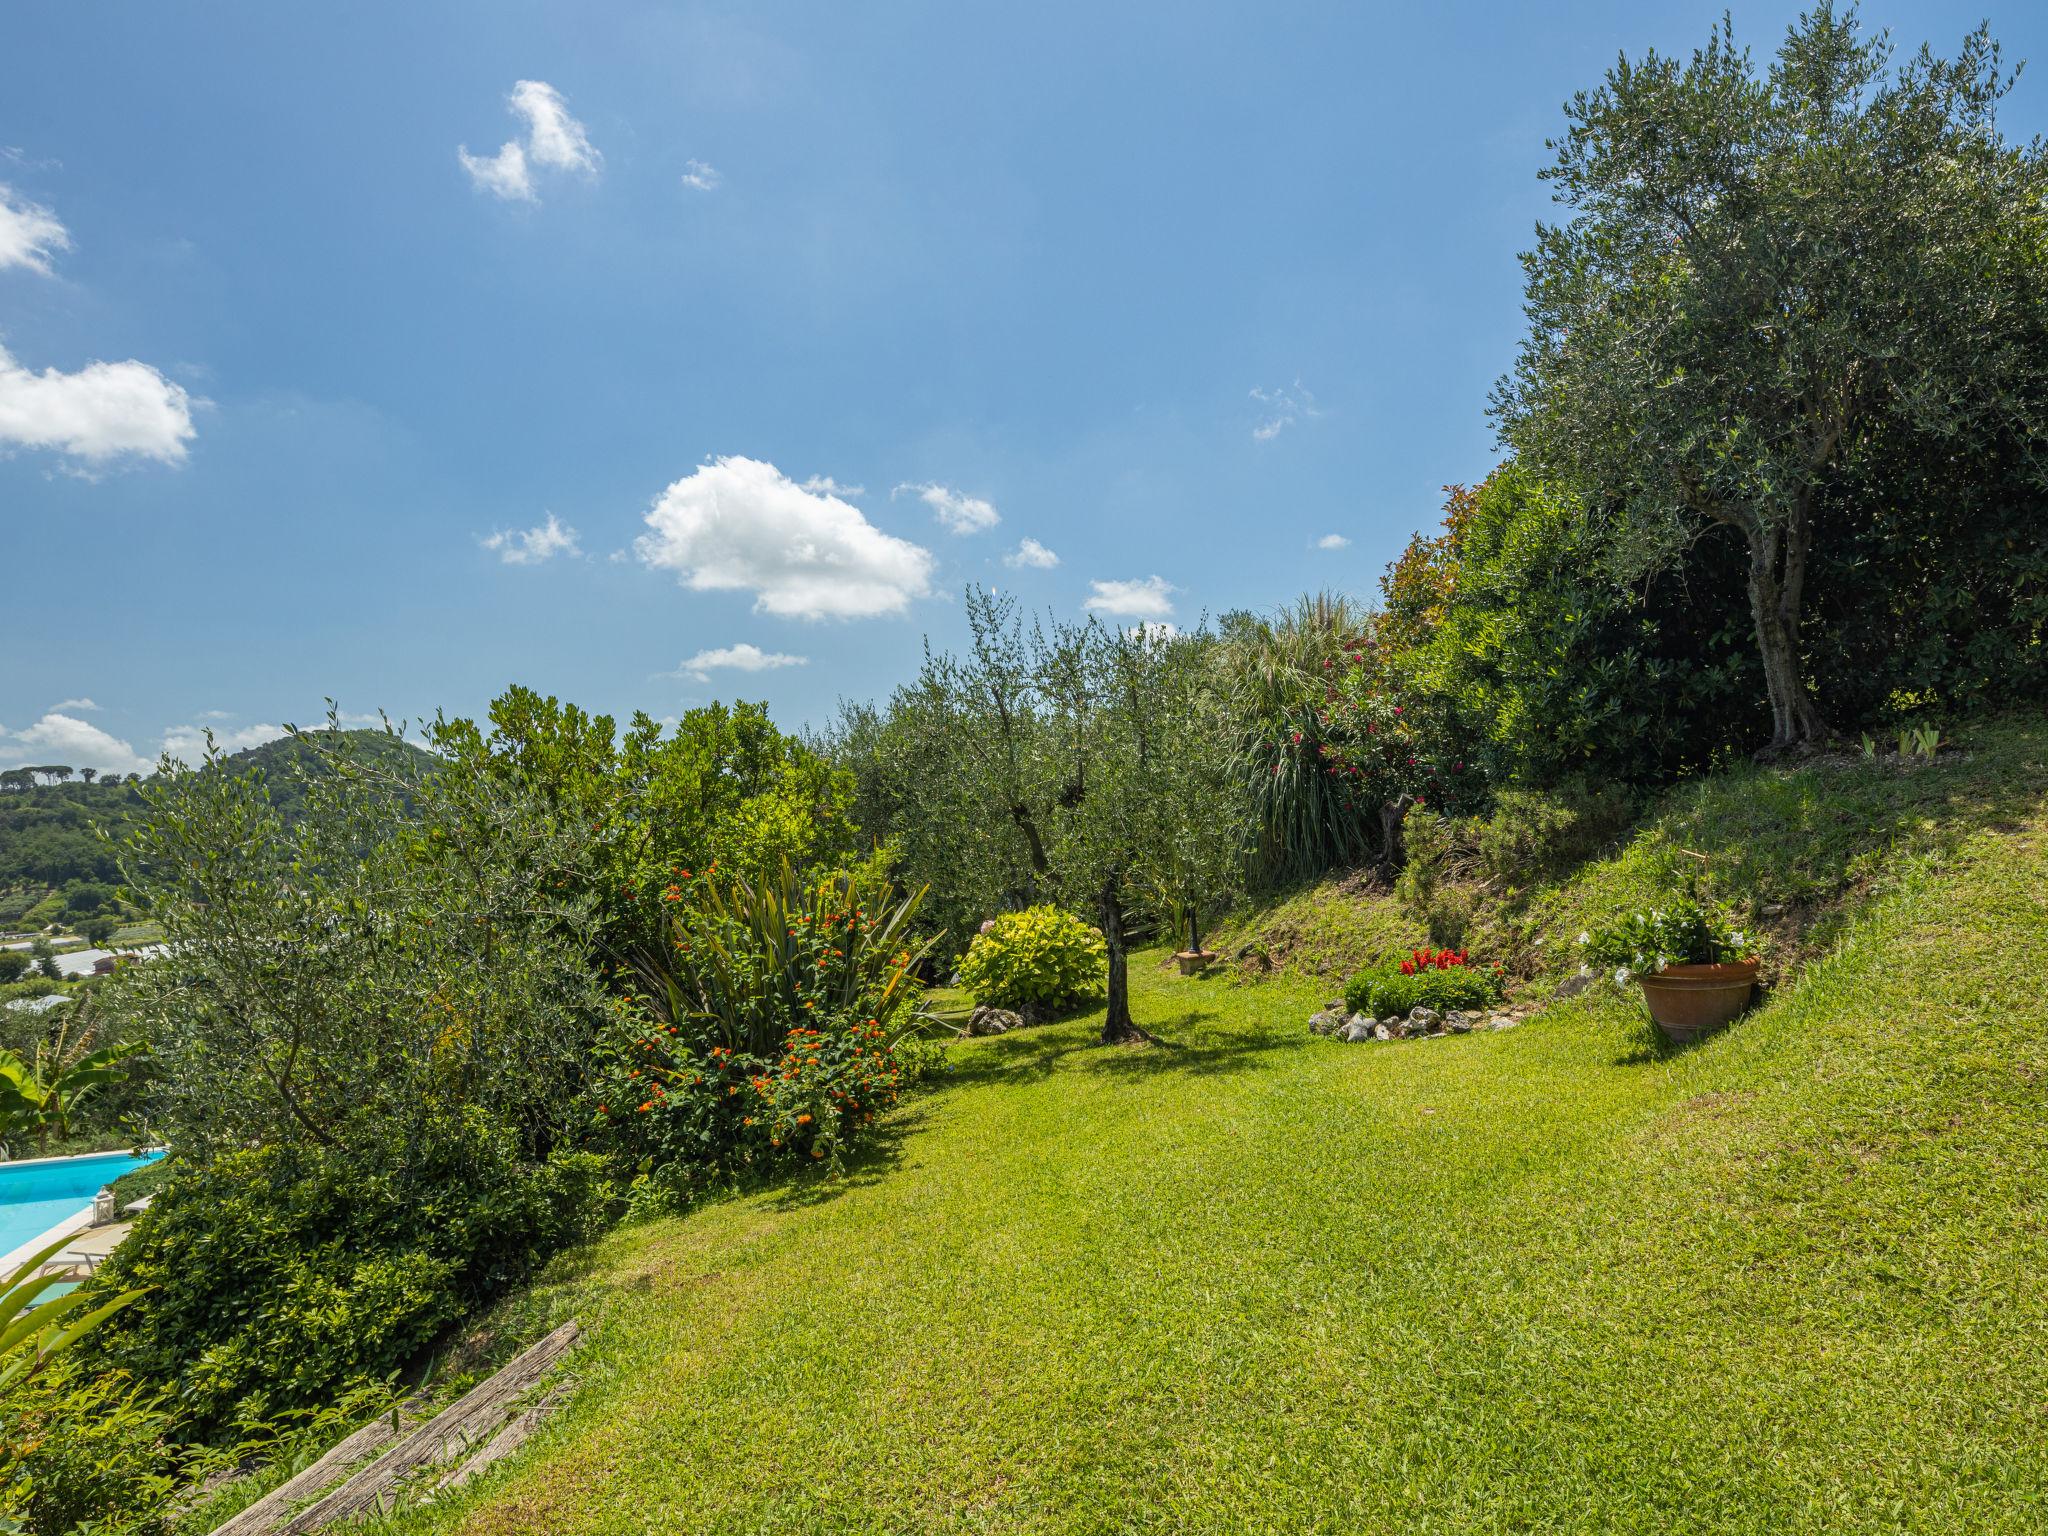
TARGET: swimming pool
(36,1195)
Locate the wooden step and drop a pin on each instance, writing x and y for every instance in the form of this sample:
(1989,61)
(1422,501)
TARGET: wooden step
(482,1417)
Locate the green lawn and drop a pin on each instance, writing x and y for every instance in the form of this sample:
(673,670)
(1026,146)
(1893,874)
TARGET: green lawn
(1552,1279)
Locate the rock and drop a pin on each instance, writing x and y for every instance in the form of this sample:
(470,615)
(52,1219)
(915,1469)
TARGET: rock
(993,1021)
(1458,1022)
(1572,986)
(1774,909)
(1502,1021)
(1328,1022)
(1428,1018)
(1384,1032)
(1357,1030)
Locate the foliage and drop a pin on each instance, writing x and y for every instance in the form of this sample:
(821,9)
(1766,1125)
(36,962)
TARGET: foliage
(687,1113)
(43,1096)
(724,788)
(1531,834)
(1074,762)
(1548,670)
(1043,956)
(282,1273)
(1305,818)
(84,1452)
(370,1031)
(744,962)
(1439,979)
(1682,931)
(36,1326)
(1773,288)
(13,965)
(413,949)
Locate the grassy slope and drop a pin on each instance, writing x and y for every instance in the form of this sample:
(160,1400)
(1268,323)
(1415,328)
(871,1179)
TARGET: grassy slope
(1552,1279)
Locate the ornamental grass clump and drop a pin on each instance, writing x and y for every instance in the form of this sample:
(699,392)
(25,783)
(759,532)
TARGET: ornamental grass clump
(1043,956)
(1440,979)
(1685,931)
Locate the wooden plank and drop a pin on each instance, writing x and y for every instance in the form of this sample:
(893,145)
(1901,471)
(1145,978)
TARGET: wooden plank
(508,1439)
(470,1418)
(260,1517)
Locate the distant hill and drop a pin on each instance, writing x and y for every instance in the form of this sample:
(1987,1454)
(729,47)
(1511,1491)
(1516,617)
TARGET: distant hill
(48,844)
(287,761)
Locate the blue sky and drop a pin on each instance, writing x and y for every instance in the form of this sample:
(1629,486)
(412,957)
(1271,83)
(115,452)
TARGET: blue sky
(308,377)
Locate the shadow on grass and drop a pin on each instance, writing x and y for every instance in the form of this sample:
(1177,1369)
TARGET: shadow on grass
(1179,1044)
(875,1160)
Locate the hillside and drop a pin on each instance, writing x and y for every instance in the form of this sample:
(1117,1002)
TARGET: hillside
(48,833)
(1558,1278)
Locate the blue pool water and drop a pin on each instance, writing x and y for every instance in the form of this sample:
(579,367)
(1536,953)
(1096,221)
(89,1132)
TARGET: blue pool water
(34,1197)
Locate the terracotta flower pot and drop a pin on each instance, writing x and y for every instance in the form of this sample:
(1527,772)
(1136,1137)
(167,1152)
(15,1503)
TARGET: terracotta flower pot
(1685,1001)
(1193,962)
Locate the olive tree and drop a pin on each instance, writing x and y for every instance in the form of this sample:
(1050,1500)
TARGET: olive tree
(1762,274)
(1069,760)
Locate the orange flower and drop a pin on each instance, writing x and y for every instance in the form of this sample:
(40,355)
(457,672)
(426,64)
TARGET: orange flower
(803,1119)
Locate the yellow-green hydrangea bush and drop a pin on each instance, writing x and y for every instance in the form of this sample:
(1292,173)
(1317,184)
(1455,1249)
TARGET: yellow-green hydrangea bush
(1043,956)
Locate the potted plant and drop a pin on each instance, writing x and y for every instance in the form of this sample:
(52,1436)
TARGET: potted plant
(1696,969)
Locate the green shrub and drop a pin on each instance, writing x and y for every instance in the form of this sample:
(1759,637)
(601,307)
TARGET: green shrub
(279,1275)
(690,1116)
(1428,887)
(1442,980)
(1529,834)
(1043,956)
(79,1448)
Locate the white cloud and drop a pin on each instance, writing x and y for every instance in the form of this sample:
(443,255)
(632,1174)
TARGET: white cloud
(1030,553)
(1150,598)
(187,743)
(1333,541)
(739,524)
(699,177)
(503,174)
(1281,409)
(553,137)
(744,657)
(530,546)
(73,706)
(29,234)
(554,140)
(62,738)
(825,485)
(956,512)
(101,412)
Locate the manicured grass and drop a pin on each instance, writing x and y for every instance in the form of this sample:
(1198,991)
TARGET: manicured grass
(1551,1279)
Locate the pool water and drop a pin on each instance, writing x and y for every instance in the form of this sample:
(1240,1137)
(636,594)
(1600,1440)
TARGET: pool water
(35,1196)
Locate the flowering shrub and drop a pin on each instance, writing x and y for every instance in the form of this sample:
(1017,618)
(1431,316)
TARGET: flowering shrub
(1442,979)
(1683,933)
(1043,955)
(686,1111)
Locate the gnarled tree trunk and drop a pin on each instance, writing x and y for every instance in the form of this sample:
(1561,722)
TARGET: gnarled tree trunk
(1777,577)
(1117,1025)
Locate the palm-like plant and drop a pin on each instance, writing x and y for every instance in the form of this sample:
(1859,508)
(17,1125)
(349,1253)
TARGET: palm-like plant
(42,1096)
(1279,668)
(742,963)
(34,1331)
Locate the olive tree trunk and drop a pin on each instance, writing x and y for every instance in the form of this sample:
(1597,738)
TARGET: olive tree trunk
(1117,1024)
(1777,576)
